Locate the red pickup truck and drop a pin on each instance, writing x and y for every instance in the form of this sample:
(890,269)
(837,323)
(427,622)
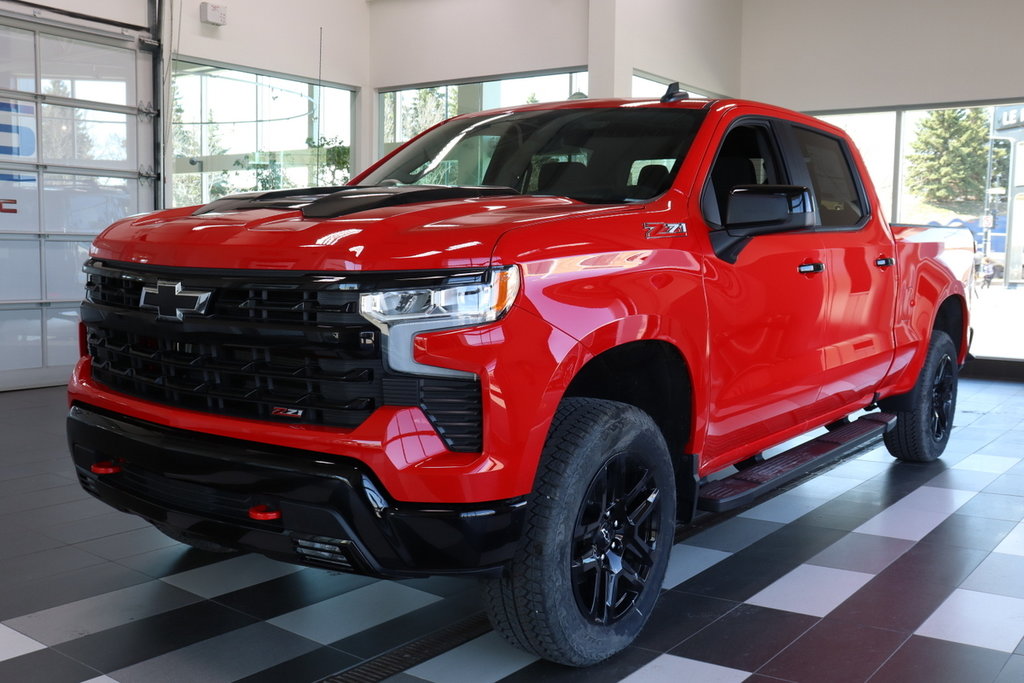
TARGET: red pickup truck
(517,347)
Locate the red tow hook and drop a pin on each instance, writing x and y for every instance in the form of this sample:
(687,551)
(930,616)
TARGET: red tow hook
(264,513)
(105,467)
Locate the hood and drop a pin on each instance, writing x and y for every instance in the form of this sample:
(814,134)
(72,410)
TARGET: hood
(456,233)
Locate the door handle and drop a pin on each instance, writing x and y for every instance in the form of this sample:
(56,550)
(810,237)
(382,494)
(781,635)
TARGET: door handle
(885,262)
(808,268)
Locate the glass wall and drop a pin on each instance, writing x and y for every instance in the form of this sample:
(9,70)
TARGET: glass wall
(235,131)
(406,113)
(959,166)
(72,141)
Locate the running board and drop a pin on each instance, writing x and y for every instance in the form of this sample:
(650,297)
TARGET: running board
(746,485)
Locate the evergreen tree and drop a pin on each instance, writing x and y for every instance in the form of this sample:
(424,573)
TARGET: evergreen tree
(949,157)
(65,134)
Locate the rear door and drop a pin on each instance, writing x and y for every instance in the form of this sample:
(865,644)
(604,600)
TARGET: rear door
(860,269)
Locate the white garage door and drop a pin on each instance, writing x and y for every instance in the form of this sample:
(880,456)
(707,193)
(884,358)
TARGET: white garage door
(76,153)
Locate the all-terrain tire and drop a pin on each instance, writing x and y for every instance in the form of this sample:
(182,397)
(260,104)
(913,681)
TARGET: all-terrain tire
(924,423)
(600,527)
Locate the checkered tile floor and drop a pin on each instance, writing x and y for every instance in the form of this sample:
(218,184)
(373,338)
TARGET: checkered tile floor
(871,571)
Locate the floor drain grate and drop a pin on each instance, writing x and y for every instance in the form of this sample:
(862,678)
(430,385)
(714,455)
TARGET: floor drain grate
(416,652)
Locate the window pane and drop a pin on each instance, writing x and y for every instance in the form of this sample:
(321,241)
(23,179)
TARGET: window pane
(61,336)
(18,139)
(86,71)
(835,190)
(65,280)
(17,60)
(86,204)
(945,161)
(22,332)
(19,201)
(407,113)
(875,137)
(87,137)
(19,278)
(234,131)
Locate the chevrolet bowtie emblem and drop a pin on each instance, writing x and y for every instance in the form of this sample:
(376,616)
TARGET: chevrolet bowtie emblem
(171,301)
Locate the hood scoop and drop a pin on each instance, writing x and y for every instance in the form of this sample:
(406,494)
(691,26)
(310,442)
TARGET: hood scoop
(331,202)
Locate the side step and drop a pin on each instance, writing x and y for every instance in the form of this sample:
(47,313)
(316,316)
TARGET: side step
(746,485)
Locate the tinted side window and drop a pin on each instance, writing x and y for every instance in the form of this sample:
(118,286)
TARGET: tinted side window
(835,190)
(748,156)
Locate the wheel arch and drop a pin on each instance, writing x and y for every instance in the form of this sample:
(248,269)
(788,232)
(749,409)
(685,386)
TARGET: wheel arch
(654,376)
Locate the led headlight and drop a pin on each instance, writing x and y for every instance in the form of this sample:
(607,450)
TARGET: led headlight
(401,314)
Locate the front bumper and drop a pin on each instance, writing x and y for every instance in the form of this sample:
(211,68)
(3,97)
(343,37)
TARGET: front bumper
(326,510)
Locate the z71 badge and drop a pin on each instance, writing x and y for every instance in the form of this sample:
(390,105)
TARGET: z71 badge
(280,411)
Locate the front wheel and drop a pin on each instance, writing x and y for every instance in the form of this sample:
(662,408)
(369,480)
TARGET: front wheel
(600,527)
(924,423)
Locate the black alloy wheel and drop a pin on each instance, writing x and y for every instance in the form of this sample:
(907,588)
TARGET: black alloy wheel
(615,538)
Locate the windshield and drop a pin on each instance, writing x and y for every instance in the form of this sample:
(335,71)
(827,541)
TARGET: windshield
(601,156)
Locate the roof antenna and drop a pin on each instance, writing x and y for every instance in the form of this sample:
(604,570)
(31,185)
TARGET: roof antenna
(673,93)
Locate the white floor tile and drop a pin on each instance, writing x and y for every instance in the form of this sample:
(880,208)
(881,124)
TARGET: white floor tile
(92,615)
(483,660)
(14,644)
(1013,544)
(915,515)
(785,508)
(826,486)
(230,575)
(672,668)
(985,620)
(689,560)
(861,470)
(986,463)
(352,612)
(810,589)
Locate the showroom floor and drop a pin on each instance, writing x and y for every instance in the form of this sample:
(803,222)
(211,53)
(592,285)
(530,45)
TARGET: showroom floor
(873,570)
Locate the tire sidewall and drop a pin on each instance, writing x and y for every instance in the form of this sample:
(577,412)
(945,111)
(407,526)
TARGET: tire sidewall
(631,432)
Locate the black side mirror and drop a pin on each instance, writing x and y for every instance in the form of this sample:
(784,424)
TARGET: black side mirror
(754,210)
(762,209)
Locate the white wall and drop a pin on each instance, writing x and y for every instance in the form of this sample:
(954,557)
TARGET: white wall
(425,41)
(696,42)
(836,54)
(271,35)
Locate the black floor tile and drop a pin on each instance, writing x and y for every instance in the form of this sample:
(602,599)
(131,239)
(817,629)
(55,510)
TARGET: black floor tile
(750,570)
(937,563)
(312,666)
(291,592)
(45,666)
(965,531)
(835,651)
(376,641)
(893,601)
(39,593)
(679,615)
(1013,672)
(144,639)
(614,669)
(938,661)
(171,560)
(844,515)
(746,638)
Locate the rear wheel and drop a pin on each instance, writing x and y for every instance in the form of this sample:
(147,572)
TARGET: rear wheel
(600,527)
(925,422)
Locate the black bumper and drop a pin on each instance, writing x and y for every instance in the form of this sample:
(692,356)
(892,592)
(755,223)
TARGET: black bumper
(332,513)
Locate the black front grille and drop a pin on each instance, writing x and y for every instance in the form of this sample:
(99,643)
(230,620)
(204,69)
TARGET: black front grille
(290,348)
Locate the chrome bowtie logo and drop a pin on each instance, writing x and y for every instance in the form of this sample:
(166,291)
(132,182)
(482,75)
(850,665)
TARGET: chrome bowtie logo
(171,301)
